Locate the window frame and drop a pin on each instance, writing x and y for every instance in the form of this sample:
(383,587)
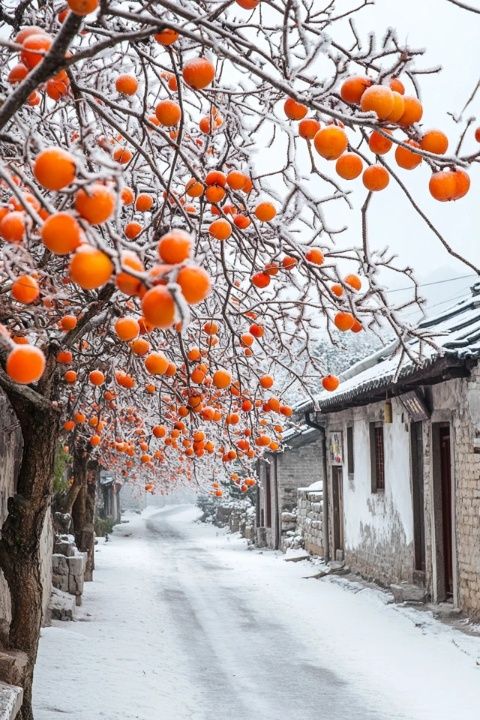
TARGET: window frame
(377,457)
(350,451)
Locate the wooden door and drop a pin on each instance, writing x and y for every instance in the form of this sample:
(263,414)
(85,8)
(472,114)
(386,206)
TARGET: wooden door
(446,493)
(416,440)
(338,519)
(268,497)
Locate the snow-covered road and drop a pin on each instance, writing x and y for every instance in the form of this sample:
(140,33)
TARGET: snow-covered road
(183,623)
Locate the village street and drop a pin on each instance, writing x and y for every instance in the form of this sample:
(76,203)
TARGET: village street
(183,622)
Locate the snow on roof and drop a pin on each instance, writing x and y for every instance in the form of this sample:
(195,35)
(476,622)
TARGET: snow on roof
(300,433)
(316,486)
(456,332)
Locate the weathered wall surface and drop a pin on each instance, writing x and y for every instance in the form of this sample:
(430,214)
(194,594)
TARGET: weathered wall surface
(378,526)
(458,401)
(299,465)
(11,444)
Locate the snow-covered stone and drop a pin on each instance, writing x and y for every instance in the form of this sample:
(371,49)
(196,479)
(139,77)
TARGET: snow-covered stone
(62,605)
(11,697)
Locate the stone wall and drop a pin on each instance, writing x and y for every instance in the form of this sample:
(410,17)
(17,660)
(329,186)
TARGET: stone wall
(46,550)
(68,565)
(310,518)
(242,520)
(237,515)
(11,445)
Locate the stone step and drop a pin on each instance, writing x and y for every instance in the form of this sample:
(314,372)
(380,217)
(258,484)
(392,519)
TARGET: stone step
(404,592)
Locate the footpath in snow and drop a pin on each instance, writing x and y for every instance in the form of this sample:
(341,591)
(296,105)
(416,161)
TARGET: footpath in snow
(182,622)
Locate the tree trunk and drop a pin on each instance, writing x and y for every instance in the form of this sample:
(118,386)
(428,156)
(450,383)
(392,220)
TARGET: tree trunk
(65,503)
(79,489)
(83,511)
(20,552)
(90,503)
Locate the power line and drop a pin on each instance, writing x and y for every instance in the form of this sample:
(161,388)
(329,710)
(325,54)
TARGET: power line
(430,307)
(437,282)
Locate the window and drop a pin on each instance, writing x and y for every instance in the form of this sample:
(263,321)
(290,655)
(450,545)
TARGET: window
(350,461)
(377,457)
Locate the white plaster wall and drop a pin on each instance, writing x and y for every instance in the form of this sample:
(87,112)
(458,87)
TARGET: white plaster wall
(387,512)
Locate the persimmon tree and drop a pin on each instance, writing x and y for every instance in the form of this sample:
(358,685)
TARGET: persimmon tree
(167,173)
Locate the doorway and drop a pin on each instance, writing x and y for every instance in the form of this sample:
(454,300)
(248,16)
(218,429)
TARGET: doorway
(416,450)
(268,497)
(443,511)
(338,517)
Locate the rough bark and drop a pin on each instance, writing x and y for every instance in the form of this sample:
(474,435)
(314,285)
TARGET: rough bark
(20,552)
(90,507)
(83,509)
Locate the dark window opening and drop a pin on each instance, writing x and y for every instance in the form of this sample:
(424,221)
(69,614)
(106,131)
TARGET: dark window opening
(377,456)
(350,460)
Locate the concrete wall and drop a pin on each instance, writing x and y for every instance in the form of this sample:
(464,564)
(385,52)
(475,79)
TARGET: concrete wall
(378,527)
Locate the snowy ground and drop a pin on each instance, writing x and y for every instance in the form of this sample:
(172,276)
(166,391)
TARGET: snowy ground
(183,623)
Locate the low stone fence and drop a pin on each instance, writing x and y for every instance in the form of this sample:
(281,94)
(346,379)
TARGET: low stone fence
(68,566)
(242,520)
(310,518)
(237,515)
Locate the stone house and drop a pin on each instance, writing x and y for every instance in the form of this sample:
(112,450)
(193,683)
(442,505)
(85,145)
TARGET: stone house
(108,497)
(402,459)
(280,477)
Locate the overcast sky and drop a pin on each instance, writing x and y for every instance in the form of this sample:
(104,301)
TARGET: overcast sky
(451,39)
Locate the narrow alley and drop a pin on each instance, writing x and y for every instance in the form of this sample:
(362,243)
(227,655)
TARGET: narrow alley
(183,622)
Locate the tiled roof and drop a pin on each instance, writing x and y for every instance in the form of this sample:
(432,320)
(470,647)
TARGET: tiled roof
(455,331)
